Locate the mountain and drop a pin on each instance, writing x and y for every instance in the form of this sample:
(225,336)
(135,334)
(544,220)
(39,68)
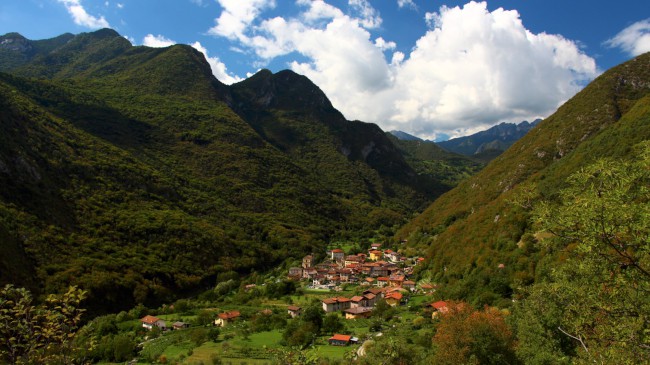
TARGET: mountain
(480,244)
(488,144)
(403,136)
(430,160)
(135,174)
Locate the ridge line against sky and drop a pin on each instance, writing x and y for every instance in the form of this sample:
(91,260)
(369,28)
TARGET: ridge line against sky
(435,69)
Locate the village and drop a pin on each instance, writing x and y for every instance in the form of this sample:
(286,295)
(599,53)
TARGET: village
(367,278)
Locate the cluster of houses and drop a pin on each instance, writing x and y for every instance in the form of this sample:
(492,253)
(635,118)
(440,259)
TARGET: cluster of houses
(360,306)
(378,268)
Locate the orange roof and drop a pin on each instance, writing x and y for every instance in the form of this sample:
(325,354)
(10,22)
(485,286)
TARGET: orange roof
(439,304)
(394,295)
(343,299)
(338,337)
(382,278)
(410,282)
(293,308)
(229,315)
(357,298)
(376,252)
(337,250)
(149,319)
(370,280)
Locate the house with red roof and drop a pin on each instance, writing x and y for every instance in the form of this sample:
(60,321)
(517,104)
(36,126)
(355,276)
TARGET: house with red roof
(339,340)
(439,307)
(382,281)
(294,311)
(337,254)
(225,318)
(393,298)
(409,284)
(149,322)
(375,255)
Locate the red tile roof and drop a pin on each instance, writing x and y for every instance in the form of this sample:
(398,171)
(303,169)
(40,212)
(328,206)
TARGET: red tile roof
(394,295)
(293,308)
(149,319)
(337,337)
(439,304)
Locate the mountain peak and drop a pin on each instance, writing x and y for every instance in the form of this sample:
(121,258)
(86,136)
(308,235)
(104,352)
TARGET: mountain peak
(284,89)
(404,136)
(105,33)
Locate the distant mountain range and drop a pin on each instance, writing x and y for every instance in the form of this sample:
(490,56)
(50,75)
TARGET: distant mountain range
(496,139)
(482,146)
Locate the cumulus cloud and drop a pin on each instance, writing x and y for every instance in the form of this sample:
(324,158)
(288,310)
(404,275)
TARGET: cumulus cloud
(382,44)
(236,17)
(369,16)
(634,39)
(157,41)
(81,17)
(473,68)
(219,69)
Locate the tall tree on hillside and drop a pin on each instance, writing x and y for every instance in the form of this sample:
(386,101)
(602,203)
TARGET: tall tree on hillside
(596,305)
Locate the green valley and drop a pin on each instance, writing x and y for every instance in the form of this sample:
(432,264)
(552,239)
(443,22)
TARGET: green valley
(152,214)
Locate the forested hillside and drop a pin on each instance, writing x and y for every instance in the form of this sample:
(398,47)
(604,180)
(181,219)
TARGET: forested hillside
(478,236)
(134,173)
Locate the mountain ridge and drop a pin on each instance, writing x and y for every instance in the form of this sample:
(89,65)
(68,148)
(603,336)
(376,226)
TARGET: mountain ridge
(135,174)
(495,139)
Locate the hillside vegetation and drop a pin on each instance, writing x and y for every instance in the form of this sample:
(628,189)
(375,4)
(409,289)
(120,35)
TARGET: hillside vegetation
(135,174)
(478,236)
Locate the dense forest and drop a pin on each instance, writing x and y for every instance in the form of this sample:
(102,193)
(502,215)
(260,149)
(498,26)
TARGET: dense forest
(135,174)
(134,183)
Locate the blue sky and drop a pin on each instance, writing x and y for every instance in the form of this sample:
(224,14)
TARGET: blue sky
(430,68)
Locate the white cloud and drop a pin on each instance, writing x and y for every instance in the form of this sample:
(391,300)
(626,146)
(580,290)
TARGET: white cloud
(472,69)
(383,45)
(236,16)
(218,68)
(406,4)
(157,41)
(370,17)
(120,6)
(81,17)
(634,39)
